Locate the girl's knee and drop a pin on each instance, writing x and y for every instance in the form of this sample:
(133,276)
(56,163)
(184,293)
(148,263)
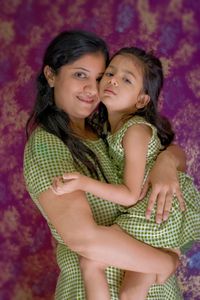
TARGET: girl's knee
(124,295)
(89,265)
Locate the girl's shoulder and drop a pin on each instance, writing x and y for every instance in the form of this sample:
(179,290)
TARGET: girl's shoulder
(136,120)
(117,137)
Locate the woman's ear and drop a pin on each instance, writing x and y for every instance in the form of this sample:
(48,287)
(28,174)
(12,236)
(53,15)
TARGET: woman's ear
(142,101)
(50,76)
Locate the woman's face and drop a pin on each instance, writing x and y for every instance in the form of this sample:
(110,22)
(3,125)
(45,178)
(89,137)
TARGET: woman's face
(76,85)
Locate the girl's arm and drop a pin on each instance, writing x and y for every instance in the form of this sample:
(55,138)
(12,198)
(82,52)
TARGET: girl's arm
(72,218)
(135,144)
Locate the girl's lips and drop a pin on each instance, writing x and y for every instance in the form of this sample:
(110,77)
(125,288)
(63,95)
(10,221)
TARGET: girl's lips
(109,91)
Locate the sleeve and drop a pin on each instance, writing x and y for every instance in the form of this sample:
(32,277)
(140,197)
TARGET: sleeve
(46,157)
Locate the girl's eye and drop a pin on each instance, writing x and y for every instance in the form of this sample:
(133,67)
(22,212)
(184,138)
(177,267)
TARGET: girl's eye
(108,74)
(127,80)
(80,75)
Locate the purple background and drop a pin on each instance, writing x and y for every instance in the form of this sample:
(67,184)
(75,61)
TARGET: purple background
(27,252)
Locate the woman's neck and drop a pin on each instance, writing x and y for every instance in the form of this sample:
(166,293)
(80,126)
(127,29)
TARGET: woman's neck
(81,130)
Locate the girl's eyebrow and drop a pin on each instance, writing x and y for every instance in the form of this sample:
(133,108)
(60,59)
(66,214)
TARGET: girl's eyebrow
(110,66)
(129,72)
(123,70)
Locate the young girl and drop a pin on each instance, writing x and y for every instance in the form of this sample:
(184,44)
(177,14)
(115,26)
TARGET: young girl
(130,90)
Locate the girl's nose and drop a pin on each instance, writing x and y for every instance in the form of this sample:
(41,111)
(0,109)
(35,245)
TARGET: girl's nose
(113,81)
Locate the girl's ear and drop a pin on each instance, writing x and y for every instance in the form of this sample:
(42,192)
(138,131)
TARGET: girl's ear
(142,101)
(50,76)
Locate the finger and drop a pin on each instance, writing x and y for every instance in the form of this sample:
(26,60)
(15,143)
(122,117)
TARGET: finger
(55,183)
(151,203)
(160,207)
(70,176)
(54,189)
(181,201)
(144,190)
(167,206)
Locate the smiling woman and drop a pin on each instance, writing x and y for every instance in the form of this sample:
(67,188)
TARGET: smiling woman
(78,82)
(60,140)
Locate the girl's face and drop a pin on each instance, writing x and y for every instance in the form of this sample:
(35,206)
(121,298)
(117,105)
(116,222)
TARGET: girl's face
(122,85)
(76,85)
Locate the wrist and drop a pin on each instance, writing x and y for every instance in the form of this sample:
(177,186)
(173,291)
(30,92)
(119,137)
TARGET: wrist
(83,183)
(168,157)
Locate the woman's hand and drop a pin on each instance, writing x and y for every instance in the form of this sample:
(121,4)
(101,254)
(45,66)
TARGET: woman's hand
(163,179)
(68,183)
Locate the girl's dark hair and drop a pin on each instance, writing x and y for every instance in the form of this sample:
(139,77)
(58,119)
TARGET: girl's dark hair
(152,85)
(65,48)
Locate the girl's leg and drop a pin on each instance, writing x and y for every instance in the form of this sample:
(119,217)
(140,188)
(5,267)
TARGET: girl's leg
(135,286)
(114,247)
(162,278)
(106,245)
(94,278)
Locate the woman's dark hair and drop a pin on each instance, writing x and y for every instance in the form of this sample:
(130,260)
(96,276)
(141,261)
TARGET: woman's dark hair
(152,85)
(65,48)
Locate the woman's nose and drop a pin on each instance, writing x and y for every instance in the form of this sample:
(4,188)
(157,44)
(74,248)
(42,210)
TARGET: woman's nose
(113,81)
(91,88)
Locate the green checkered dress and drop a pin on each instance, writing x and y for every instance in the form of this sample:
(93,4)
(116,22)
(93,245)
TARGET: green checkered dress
(46,157)
(182,227)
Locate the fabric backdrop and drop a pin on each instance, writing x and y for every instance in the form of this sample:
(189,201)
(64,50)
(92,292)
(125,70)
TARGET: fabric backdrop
(171,27)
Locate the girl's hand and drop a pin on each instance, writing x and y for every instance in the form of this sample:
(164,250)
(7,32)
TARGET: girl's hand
(67,183)
(163,179)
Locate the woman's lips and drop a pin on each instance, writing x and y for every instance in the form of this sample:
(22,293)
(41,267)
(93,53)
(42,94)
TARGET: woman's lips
(86,100)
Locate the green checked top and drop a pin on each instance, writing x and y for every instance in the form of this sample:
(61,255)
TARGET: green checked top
(45,157)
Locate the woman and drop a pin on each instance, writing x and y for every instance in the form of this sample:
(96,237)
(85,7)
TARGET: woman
(63,141)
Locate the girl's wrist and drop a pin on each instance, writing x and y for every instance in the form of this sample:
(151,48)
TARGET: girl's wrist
(83,183)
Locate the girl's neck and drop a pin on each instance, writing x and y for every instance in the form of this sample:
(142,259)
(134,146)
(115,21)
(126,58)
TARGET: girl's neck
(116,121)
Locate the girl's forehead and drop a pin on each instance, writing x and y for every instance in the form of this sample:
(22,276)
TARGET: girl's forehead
(127,60)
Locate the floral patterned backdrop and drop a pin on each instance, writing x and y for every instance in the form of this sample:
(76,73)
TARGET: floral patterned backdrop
(28,268)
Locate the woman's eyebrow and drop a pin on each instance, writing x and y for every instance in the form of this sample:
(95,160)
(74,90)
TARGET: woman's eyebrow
(80,68)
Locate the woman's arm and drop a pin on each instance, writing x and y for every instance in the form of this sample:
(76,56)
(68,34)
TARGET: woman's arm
(135,144)
(71,216)
(163,179)
(176,154)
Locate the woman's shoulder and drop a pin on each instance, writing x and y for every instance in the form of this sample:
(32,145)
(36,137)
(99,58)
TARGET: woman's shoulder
(42,142)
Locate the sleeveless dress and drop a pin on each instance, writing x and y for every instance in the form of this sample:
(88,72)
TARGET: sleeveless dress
(45,157)
(182,227)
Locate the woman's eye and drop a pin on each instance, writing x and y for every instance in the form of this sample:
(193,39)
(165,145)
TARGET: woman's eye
(80,75)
